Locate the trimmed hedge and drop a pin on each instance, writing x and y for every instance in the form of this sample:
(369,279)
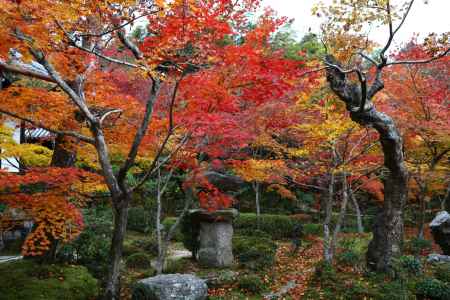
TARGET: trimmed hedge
(26,279)
(254,252)
(139,261)
(278,226)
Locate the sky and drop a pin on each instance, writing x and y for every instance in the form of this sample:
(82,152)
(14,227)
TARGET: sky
(423,18)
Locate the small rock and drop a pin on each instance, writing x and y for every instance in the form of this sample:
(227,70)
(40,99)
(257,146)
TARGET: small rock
(440,218)
(438,258)
(440,228)
(171,287)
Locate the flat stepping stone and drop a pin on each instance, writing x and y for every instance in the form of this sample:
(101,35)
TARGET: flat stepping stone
(4,259)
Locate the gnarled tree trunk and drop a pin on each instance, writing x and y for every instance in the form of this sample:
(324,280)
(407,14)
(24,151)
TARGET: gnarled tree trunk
(388,229)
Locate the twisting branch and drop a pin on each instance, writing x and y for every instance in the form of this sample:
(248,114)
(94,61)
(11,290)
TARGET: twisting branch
(76,98)
(73,42)
(157,165)
(170,132)
(98,35)
(418,62)
(25,72)
(55,131)
(140,133)
(129,44)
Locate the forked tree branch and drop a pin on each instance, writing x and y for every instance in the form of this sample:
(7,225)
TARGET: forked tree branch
(74,134)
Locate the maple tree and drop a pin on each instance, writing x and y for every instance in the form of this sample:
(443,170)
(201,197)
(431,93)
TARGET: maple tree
(346,22)
(200,89)
(418,96)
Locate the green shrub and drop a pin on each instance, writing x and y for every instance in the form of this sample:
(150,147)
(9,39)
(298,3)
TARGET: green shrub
(278,226)
(255,233)
(174,266)
(251,284)
(348,258)
(442,272)
(393,290)
(150,245)
(254,252)
(410,264)
(356,290)
(325,272)
(92,246)
(312,229)
(140,219)
(138,261)
(433,289)
(26,279)
(418,246)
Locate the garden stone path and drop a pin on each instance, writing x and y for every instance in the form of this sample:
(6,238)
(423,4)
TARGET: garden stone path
(4,259)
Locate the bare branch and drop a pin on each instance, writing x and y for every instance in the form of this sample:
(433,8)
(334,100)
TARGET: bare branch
(25,72)
(117,27)
(140,133)
(129,44)
(418,62)
(93,51)
(392,31)
(157,165)
(373,61)
(55,131)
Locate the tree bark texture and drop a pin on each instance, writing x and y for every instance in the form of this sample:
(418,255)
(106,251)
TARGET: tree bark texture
(120,208)
(327,249)
(359,220)
(388,228)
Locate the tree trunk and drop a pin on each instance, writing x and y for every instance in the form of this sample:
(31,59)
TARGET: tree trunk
(64,154)
(327,251)
(337,228)
(112,291)
(256,187)
(357,212)
(161,251)
(421,227)
(388,228)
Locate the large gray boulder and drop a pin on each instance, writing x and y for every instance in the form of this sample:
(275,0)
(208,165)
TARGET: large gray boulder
(440,228)
(171,287)
(216,249)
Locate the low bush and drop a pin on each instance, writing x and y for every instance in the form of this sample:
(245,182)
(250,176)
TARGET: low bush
(251,284)
(325,272)
(278,226)
(410,264)
(25,279)
(174,266)
(434,289)
(418,246)
(255,233)
(92,246)
(348,258)
(254,252)
(312,229)
(138,261)
(393,290)
(150,245)
(442,272)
